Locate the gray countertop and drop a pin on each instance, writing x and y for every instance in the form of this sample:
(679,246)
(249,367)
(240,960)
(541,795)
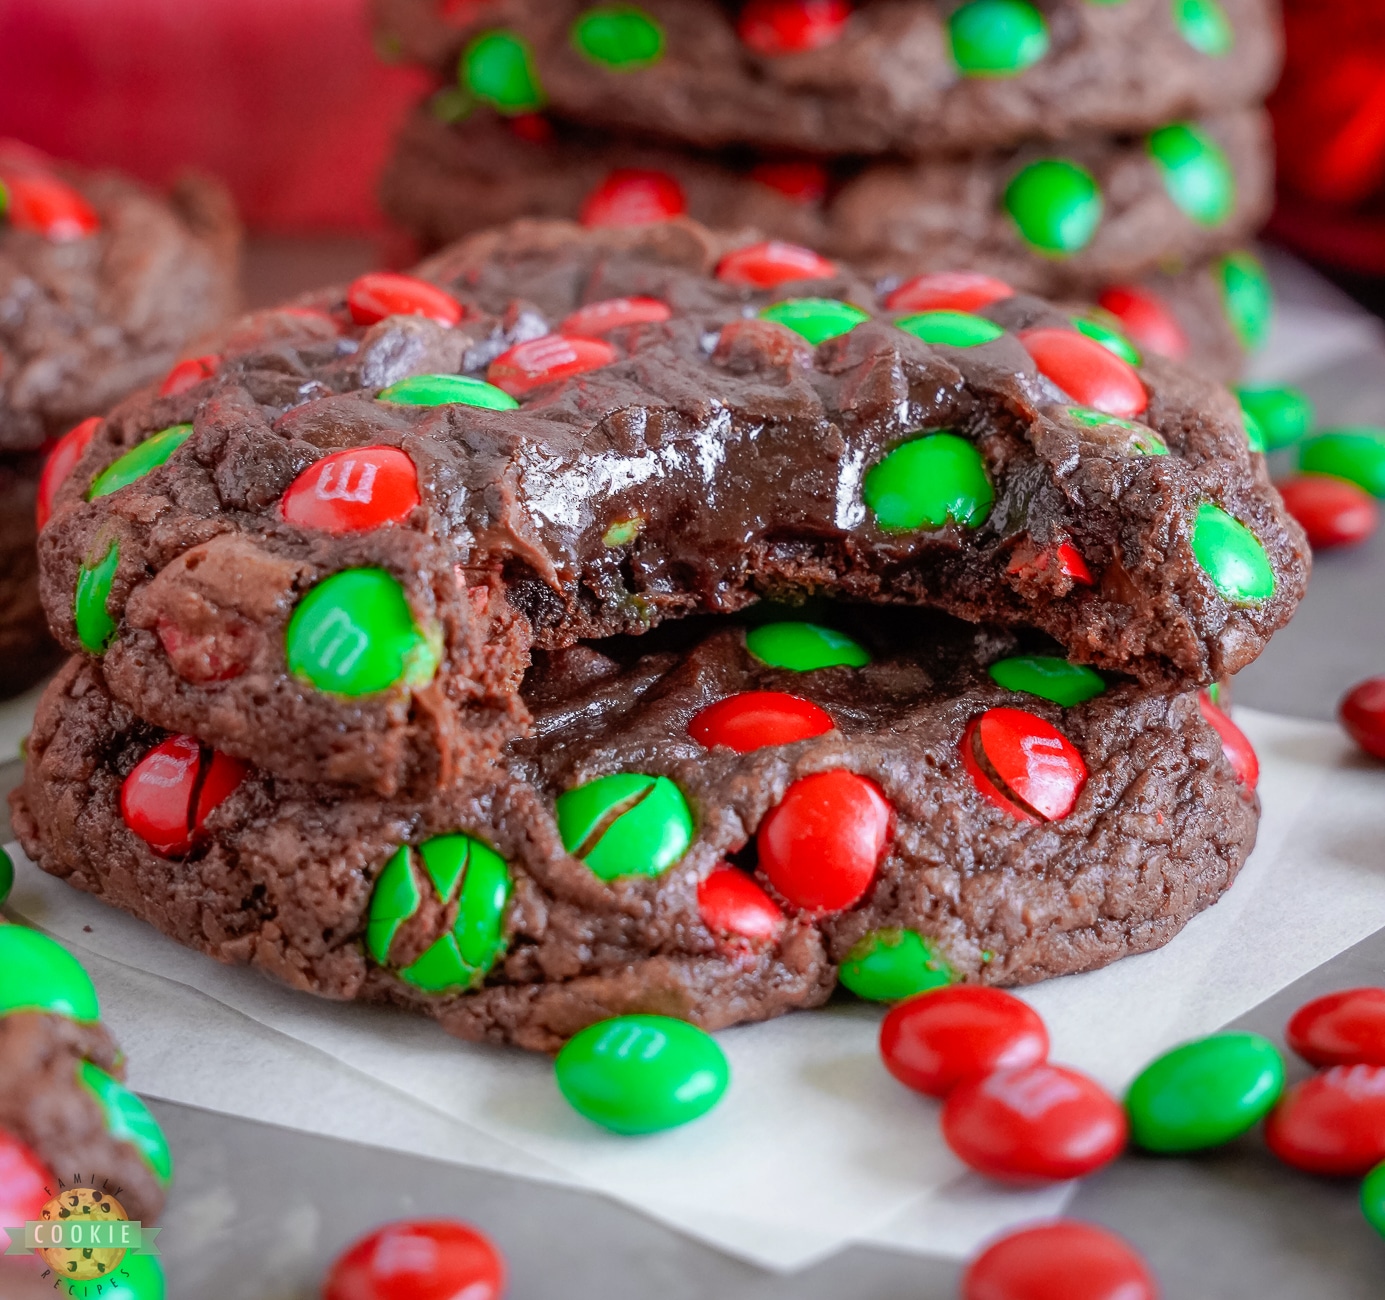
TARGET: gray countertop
(258,1212)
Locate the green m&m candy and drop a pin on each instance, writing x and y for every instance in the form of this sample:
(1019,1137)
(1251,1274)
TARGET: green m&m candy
(1204,1093)
(1204,25)
(930,482)
(354,634)
(1285,415)
(642,1074)
(1247,296)
(1231,555)
(1373,1198)
(498,68)
(1196,172)
(95,626)
(37,974)
(893,964)
(816,319)
(804,647)
(1056,205)
(997,38)
(447,390)
(1111,339)
(459,868)
(128,1120)
(6,876)
(139,461)
(1143,440)
(626,824)
(1048,677)
(1356,454)
(953,329)
(619,37)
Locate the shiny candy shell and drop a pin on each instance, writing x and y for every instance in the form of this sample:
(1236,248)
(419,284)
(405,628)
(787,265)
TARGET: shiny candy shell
(498,68)
(140,460)
(1284,414)
(928,483)
(954,329)
(804,647)
(1356,454)
(967,291)
(894,963)
(420,1259)
(821,845)
(380,294)
(1373,1198)
(1247,296)
(1034,1123)
(188,374)
(47,206)
(626,824)
(447,390)
(173,789)
(1346,1028)
(631,196)
(1240,753)
(96,628)
(934,1041)
(1056,206)
(530,365)
(1023,764)
(1087,371)
(754,719)
(614,313)
(1205,26)
(1331,511)
(1231,556)
(62,460)
(1065,1260)
(763,266)
(128,1119)
(997,38)
(1362,712)
(803,181)
(815,319)
(1333,1123)
(1048,677)
(618,36)
(642,1074)
(733,906)
(353,491)
(37,974)
(1204,1093)
(777,27)
(1197,174)
(1146,320)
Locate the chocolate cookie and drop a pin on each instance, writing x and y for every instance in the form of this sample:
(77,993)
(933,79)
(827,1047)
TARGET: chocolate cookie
(333,556)
(26,649)
(63,1111)
(717,831)
(1059,221)
(101,285)
(916,77)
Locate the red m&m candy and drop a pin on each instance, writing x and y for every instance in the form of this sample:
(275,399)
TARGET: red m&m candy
(774,27)
(1146,320)
(821,846)
(1346,1028)
(1087,371)
(1064,558)
(1333,1123)
(24,1186)
(62,460)
(173,789)
(531,365)
(598,317)
(733,906)
(754,719)
(1066,1260)
(1362,712)
(1037,1123)
(353,491)
(1023,764)
(379,294)
(47,206)
(1332,511)
(1238,750)
(803,182)
(188,374)
(762,266)
(429,1259)
(948,291)
(632,197)
(933,1042)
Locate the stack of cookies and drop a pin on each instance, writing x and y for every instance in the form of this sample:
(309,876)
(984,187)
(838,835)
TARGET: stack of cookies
(102,284)
(1109,152)
(614,620)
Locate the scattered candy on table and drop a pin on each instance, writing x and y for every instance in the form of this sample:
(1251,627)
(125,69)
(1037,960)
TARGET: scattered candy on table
(1063,1260)
(1362,712)
(422,1259)
(1332,1123)
(1345,1028)
(1332,511)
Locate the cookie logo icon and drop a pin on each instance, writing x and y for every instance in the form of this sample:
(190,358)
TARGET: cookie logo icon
(73,1215)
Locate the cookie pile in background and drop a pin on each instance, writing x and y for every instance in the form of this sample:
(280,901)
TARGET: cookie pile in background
(102,284)
(1114,154)
(625,621)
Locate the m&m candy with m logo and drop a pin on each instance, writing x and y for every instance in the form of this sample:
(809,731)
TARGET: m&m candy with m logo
(1023,764)
(173,789)
(353,491)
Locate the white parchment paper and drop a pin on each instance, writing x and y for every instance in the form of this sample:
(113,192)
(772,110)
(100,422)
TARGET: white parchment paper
(815,1145)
